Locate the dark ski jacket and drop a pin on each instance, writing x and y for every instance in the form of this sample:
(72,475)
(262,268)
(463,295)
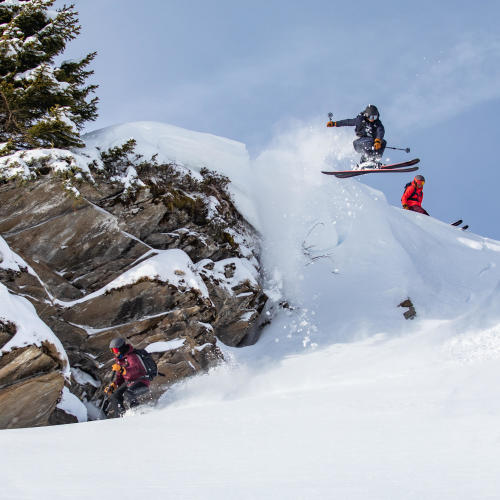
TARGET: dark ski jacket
(134,369)
(364,128)
(413,195)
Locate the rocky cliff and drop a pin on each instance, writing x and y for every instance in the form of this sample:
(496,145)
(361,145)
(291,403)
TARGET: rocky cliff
(120,245)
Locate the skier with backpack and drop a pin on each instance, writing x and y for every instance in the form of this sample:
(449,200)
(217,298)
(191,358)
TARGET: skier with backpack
(370,132)
(134,369)
(413,195)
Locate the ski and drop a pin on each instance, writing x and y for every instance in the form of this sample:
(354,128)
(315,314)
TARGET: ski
(345,174)
(458,223)
(408,163)
(394,167)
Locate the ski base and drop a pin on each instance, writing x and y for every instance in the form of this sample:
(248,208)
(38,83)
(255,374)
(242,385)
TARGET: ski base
(344,174)
(394,167)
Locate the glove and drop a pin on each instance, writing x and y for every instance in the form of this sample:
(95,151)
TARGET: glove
(119,369)
(406,207)
(377,144)
(331,124)
(110,388)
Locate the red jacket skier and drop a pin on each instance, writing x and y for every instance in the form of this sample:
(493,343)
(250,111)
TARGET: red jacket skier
(413,195)
(131,377)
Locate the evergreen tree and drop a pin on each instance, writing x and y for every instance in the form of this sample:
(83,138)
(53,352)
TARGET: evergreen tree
(41,105)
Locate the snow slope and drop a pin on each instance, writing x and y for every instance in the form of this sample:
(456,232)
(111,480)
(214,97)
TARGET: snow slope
(341,397)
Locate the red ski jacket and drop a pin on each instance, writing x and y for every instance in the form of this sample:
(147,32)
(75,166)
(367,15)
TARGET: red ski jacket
(413,195)
(134,369)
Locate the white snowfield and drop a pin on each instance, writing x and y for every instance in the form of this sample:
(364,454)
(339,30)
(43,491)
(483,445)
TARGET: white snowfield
(341,397)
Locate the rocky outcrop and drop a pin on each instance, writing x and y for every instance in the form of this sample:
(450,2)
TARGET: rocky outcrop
(30,403)
(31,382)
(410,312)
(90,245)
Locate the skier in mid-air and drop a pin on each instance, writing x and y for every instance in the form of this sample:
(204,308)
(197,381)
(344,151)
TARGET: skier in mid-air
(413,195)
(370,132)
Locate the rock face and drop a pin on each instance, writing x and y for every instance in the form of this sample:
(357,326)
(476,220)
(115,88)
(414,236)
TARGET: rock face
(411,313)
(31,382)
(89,245)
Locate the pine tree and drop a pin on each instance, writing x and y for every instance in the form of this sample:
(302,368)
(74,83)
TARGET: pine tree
(41,105)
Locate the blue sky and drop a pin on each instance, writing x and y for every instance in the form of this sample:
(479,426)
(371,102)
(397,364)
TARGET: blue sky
(245,70)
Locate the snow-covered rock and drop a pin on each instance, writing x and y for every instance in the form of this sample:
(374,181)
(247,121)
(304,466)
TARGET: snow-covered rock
(106,243)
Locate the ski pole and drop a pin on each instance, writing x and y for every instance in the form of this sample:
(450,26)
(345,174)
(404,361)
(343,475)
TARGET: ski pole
(399,149)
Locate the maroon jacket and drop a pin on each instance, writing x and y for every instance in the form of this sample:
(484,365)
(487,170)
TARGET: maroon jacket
(134,369)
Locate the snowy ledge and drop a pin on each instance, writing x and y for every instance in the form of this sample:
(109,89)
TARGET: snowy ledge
(169,266)
(24,164)
(30,329)
(70,404)
(9,260)
(229,273)
(165,346)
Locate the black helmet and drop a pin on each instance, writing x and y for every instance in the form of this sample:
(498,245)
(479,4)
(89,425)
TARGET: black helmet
(371,110)
(118,346)
(419,178)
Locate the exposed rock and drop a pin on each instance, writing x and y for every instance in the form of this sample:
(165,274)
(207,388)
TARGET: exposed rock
(238,298)
(30,385)
(411,312)
(75,241)
(59,417)
(127,304)
(7,331)
(22,363)
(73,245)
(30,403)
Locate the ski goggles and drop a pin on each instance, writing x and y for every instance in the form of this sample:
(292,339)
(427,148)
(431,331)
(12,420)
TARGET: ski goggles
(372,118)
(115,351)
(420,183)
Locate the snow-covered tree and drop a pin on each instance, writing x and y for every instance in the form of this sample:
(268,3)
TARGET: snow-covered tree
(41,104)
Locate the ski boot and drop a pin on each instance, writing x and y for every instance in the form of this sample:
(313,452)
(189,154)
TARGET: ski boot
(367,162)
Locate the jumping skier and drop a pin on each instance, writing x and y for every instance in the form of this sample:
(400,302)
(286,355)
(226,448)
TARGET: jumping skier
(413,195)
(131,379)
(370,132)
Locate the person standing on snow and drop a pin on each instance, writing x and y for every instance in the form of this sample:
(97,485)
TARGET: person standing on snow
(370,132)
(413,195)
(131,378)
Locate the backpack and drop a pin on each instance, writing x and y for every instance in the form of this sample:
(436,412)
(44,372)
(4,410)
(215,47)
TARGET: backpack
(407,185)
(148,362)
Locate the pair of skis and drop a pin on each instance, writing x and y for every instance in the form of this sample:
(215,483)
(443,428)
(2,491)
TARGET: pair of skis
(405,166)
(458,223)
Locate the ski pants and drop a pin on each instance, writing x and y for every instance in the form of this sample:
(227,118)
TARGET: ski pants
(364,145)
(125,397)
(417,208)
